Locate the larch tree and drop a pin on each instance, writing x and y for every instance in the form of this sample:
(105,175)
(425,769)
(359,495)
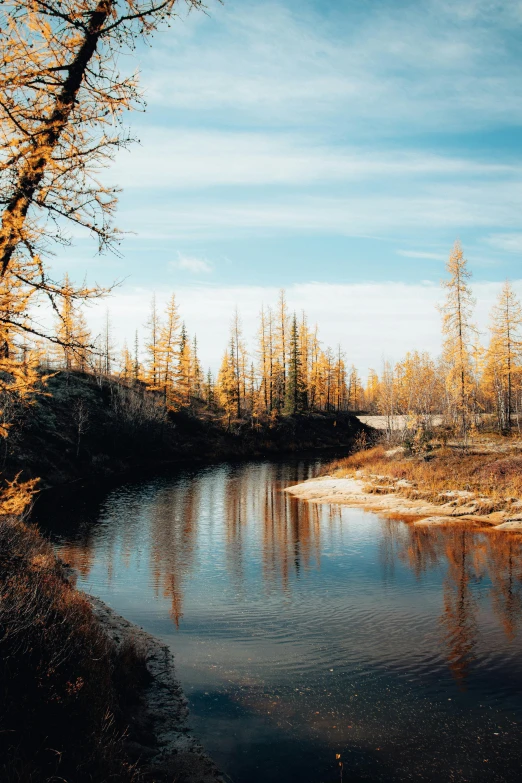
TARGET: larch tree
(136,370)
(459,333)
(314,372)
(126,364)
(239,360)
(506,343)
(19,375)
(270,333)
(372,391)
(82,344)
(329,376)
(355,389)
(167,349)
(282,321)
(340,380)
(227,385)
(304,350)
(61,109)
(152,363)
(107,343)
(493,385)
(65,329)
(387,405)
(197,370)
(417,383)
(73,343)
(63,99)
(253,400)
(264,359)
(184,382)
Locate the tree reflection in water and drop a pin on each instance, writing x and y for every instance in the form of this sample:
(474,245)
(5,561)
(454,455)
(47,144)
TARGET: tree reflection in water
(244,510)
(470,557)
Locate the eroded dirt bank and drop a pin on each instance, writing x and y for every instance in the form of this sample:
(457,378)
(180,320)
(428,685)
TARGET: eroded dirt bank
(160,741)
(84,695)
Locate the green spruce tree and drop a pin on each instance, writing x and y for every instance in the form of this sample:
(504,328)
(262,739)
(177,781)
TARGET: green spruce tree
(295,391)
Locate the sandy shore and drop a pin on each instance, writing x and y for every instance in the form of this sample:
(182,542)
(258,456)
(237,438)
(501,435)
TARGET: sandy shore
(166,750)
(457,508)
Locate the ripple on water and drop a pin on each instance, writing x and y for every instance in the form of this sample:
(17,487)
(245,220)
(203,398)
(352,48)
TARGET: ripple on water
(301,631)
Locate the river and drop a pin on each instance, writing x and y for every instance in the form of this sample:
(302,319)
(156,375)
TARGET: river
(310,636)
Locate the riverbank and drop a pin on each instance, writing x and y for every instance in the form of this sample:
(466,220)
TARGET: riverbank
(85,427)
(159,742)
(479,486)
(85,695)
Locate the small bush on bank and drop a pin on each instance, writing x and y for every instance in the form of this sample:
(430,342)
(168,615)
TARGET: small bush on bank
(60,696)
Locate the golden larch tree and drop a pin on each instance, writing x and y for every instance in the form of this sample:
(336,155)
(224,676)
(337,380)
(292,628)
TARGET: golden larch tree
(355,388)
(184,376)
(63,98)
(197,370)
(167,350)
(372,391)
(314,378)
(227,385)
(152,361)
(126,364)
(506,345)
(459,334)
(263,358)
(73,338)
(282,323)
(239,359)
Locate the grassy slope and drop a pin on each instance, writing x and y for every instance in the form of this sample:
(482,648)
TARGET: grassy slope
(121,433)
(64,687)
(490,471)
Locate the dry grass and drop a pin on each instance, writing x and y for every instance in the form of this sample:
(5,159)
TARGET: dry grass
(496,479)
(61,679)
(358,461)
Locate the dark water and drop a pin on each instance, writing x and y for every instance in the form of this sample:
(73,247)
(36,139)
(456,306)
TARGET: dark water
(303,631)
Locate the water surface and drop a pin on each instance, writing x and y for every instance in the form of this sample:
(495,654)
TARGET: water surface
(302,632)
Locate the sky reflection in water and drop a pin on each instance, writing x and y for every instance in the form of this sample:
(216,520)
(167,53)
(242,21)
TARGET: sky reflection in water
(302,631)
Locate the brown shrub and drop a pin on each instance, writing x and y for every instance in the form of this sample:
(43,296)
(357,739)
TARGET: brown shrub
(59,702)
(503,469)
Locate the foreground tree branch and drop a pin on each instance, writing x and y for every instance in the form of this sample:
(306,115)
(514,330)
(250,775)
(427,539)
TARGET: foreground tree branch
(44,143)
(61,106)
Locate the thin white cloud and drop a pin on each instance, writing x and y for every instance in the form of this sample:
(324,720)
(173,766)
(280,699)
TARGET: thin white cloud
(421,254)
(198,266)
(432,64)
(180,158)
(301,121)
(363,214)
(512,243)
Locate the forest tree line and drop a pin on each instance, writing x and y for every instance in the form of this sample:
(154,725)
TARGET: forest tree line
(469,378)
(287,371)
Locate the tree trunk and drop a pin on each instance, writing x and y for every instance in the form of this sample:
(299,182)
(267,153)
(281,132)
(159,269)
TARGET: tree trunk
(32,172)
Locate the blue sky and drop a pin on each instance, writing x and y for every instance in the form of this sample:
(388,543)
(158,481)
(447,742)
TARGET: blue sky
(340,143)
